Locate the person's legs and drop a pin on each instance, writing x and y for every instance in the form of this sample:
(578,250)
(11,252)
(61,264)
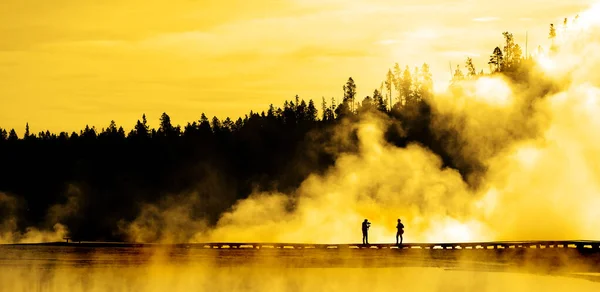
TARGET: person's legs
(367,238)
(397,234)
(401,238)
(364,237)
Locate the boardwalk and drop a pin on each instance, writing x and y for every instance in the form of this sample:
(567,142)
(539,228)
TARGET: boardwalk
(578,244)
(569,244)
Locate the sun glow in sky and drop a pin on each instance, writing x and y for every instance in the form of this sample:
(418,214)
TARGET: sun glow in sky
(66,63)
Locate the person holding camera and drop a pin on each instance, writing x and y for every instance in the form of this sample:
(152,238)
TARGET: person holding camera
(400,228)
(365,230)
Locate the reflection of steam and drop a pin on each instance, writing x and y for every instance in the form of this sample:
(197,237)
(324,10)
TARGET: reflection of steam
(191,269)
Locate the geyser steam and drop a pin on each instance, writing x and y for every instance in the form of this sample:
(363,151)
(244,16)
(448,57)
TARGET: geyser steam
(538,144)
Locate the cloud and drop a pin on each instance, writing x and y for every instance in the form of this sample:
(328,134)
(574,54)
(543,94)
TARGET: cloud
(460,54)
(388,42)
(486,19)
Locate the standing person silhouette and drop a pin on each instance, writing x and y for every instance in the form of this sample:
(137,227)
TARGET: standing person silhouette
(400,231)
(365,230)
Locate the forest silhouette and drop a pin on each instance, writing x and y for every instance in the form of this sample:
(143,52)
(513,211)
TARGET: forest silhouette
(110,173)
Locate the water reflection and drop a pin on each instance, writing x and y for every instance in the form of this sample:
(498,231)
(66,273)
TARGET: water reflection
(68,268)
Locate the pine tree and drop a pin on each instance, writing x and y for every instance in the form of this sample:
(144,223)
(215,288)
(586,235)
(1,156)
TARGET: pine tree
(12,135)
(389,81)
(552,34)
(142,129)
(426,82)
(552,37)
(271,111)
(378,100)
(350,93)
(367,104)
(228,124)
(301,111)
(332,108)
(398,77)
(496,60)
(458,74)
(3,135)
(517,55)
(166,129)
(112,128)
(311,112)
(471,72)
(509,44)
(416,85)
(216,125)
(405,86)
(324,109)
(27,134)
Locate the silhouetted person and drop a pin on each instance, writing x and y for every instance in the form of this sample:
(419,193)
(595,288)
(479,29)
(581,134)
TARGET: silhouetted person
(400,231)
(365,230)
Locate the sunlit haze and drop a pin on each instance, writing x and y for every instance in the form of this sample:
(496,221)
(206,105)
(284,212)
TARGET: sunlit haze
(247,145)
(65,64)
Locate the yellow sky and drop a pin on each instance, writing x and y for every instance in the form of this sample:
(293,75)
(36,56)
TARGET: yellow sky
(67,63)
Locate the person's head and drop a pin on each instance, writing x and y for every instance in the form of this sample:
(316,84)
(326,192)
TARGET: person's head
(398,220)
(366,220)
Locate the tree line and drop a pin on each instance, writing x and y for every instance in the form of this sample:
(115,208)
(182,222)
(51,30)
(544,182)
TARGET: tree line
(111,172)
